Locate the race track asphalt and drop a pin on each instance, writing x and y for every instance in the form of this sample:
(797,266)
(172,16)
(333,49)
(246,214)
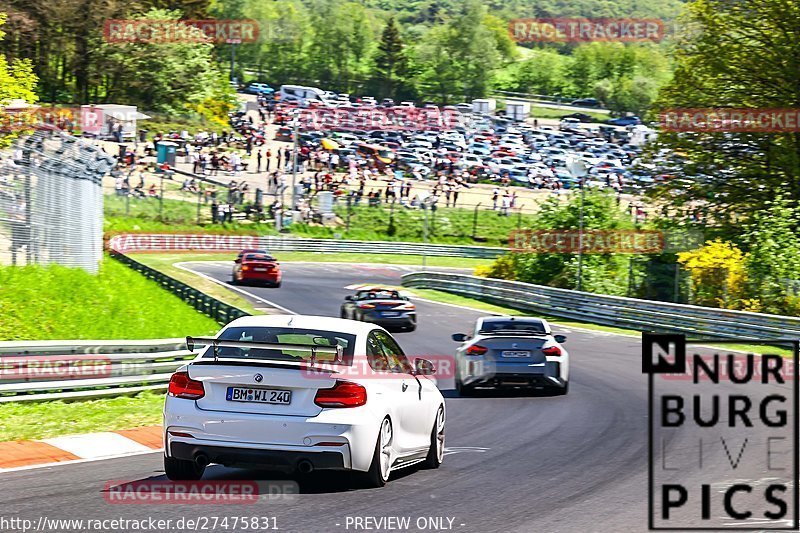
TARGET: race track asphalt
(515,463)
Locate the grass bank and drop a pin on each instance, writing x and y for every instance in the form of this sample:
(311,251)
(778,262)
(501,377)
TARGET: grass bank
(41,420)
(165,261)
(483,227)
(56,302)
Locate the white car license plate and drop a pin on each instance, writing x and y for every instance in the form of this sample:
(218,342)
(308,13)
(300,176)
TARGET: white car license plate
(253,395)
(260,269)
(511,353)
(390,313)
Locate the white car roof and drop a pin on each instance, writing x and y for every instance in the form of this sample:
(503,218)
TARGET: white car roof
(323,323)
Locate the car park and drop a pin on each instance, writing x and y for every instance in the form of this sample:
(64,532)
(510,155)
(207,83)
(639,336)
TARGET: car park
(299,394)
(489,147)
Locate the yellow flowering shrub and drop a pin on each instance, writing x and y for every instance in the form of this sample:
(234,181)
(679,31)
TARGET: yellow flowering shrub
(718,275)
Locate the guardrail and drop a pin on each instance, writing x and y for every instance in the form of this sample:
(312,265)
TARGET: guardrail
(642,315)
(59,370)
(216,309)
(145,242)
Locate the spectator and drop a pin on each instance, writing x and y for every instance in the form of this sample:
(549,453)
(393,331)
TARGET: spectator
(505,204)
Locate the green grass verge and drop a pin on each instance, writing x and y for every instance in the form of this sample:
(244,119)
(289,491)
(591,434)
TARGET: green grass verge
(554,112)
(165,260)
(41,420)
(166,264)
(446,226)
(56,302)
(146,215)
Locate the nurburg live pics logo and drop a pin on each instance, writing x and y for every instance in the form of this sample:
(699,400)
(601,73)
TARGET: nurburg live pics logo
(722,434)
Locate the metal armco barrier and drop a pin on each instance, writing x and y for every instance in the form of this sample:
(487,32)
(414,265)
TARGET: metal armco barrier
(144,242)
(642,315)
(216,309)
(60,370)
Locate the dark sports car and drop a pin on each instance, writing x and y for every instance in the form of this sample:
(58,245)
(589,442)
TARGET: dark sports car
(385,307)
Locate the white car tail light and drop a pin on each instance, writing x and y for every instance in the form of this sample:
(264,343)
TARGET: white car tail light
(182,386)
(342,394)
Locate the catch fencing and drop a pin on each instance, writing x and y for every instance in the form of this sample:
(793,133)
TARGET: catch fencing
(631,313)
(51,201)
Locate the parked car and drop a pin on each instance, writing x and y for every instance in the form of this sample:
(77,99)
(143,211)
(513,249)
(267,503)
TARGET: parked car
(285,134)
(625,121)
(258,89)
(581,117)
(586,102)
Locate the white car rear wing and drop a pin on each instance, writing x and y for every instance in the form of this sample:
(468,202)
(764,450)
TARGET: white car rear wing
(191,342)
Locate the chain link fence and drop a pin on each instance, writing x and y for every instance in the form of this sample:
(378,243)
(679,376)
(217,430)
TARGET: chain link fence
(51,201)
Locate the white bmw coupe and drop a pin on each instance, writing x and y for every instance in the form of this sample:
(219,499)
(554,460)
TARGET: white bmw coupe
(302,393)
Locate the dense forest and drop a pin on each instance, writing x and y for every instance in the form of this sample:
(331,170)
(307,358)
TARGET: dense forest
(443,50)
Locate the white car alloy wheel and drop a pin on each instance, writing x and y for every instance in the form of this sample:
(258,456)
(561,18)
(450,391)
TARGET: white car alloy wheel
(436,450)
(386,448)
(440,434)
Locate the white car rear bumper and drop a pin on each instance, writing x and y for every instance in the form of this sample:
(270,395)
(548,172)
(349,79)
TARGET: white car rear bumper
(335,438)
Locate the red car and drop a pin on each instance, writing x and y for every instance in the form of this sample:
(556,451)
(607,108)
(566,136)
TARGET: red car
(256,268)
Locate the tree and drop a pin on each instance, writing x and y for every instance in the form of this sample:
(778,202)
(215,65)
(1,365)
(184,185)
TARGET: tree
(544,72)
(181,76)
(773,258)
(391,63)
(602,273)
(17,79)
(459,58)
(737,55)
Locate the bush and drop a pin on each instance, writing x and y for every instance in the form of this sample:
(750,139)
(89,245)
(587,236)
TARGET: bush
(603,273)
(718,275)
